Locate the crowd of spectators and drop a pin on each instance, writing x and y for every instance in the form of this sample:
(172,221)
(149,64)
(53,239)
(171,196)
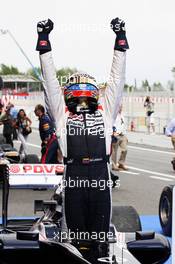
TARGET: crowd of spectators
(17,126)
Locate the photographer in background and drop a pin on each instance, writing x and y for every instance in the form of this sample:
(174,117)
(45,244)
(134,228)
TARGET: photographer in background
(149,105)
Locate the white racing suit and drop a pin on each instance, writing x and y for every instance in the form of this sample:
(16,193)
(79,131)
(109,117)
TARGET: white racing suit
(85,141)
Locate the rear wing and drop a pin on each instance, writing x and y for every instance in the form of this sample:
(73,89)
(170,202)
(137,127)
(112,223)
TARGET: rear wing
(30,176)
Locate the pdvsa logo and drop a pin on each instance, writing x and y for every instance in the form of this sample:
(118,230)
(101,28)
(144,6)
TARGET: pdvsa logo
(46,169)
(14,169)
(37,169)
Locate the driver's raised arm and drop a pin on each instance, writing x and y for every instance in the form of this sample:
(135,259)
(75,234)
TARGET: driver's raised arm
(114,89)
(53,94)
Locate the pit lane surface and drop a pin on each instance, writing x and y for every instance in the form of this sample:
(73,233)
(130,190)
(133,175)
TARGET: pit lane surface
(149,171)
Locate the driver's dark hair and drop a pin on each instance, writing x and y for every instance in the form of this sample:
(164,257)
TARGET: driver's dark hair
(40,107)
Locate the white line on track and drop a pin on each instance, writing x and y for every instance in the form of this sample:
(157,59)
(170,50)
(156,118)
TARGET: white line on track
(134,168)
(152,172)
(29,144)
(152,150)
(130,172)
(33,145)
(160,178)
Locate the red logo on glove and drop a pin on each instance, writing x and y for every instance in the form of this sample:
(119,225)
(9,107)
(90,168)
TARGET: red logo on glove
(122,42)
(43,43)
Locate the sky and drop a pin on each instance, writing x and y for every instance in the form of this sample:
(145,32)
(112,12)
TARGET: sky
(82,37)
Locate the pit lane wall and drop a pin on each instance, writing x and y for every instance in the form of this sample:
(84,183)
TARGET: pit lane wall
(133,108)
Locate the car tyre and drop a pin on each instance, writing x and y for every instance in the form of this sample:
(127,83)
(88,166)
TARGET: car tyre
(126,219)
(165,210)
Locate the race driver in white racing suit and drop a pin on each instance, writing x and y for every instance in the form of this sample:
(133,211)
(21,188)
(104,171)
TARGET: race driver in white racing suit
(83,121)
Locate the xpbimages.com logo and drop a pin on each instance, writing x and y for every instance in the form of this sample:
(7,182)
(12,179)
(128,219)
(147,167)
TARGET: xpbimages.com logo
(74,236)
(81,131)
(85,183)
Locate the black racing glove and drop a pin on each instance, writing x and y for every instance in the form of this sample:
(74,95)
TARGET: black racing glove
(118,26)
(43,29)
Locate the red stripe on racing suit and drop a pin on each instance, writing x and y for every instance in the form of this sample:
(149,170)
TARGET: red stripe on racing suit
(50,148)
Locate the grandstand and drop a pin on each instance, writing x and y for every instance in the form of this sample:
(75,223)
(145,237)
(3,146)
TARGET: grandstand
(20,85)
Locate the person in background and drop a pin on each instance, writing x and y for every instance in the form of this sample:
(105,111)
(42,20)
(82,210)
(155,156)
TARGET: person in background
(149,105)
(170,132)
(119,141)
(6,120)
(49,145)
(14,113)
(23,126)
(1,107)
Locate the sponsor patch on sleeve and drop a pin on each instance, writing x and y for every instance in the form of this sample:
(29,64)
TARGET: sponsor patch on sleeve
(46,126)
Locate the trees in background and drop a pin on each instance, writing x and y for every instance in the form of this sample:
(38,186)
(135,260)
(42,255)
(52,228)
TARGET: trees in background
(145,86)
(157,86)
(4,70)
(32,73)
(64,73)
